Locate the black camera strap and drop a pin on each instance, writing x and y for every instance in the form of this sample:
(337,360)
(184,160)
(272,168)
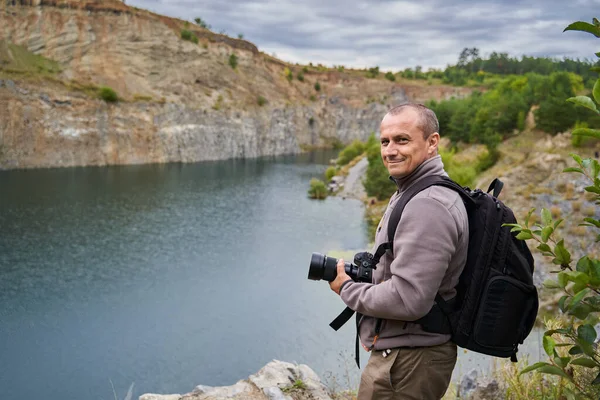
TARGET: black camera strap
(347,313)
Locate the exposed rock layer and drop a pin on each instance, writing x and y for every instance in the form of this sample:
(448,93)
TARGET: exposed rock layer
(180,101)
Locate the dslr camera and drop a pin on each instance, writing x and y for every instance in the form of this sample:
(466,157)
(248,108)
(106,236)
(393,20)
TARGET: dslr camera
(323,267)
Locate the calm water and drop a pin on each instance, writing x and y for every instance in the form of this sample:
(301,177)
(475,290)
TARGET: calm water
(168,276)
(171,276)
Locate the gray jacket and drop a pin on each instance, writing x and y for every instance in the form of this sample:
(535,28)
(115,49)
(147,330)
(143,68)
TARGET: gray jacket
(430,249)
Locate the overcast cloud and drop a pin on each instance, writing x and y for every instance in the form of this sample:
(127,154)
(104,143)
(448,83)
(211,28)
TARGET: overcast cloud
(394,34)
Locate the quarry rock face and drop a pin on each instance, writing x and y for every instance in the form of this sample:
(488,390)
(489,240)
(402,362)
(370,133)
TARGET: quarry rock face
(179,101)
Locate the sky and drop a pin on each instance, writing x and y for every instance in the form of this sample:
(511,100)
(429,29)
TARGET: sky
(394,34)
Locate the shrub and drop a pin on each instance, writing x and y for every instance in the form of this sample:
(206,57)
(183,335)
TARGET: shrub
(200,22)
(390,76)
(305,69)
(300,76)
(289,75)
(312,97)
(572,352)
(107,94)
(330,173)
(351,151)
(233,61)
(240,36)
(261,101)
(317,86)
(376,181)
(317,190)
(189,36)
(373,72)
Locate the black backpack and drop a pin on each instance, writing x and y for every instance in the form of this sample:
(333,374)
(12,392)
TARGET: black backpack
(496,303)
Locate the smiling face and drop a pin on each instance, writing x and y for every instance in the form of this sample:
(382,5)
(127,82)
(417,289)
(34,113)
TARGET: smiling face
(403,147)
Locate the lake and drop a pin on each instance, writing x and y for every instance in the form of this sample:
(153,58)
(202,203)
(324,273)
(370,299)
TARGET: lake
(170,276)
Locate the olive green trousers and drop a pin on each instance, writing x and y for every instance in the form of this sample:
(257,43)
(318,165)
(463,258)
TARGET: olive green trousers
(408,373)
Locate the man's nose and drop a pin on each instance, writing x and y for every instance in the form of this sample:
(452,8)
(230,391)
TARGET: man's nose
(390,150)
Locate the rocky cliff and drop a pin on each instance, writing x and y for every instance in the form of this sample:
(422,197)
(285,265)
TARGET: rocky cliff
(178,100)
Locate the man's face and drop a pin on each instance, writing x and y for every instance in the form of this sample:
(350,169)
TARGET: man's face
(403,147)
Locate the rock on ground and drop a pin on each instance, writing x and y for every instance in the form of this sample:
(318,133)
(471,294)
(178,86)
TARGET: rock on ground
(277,380)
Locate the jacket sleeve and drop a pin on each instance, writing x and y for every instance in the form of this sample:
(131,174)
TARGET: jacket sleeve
(425,241)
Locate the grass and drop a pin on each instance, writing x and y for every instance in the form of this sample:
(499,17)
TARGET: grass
(17,60)
(108,94)
(189,36)
(297,385)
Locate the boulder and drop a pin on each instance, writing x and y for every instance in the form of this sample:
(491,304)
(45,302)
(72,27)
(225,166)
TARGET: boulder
(277,380)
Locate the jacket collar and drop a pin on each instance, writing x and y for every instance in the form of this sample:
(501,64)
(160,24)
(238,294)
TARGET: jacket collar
(432,166)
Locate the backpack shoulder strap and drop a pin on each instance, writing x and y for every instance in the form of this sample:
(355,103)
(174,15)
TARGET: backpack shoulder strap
(423,184)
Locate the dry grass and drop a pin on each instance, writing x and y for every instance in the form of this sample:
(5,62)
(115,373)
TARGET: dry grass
(577,231)
(555,211)
(576,204)
(589,211)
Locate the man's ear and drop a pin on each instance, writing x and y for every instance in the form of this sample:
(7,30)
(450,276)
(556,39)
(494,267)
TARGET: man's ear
(433,141)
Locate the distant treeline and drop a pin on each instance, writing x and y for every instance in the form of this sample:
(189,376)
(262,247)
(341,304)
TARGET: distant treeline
(489,117)
(475,69)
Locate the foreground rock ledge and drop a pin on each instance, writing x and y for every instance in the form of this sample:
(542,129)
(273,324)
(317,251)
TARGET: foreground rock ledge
(277,380)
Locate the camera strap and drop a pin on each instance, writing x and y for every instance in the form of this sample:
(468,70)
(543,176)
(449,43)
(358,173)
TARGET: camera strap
(347,313)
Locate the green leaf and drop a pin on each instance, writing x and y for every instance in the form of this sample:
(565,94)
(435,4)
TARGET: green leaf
(592,189)
(563,279)
(546,216)
(533,367)
(544,247)
(529,216)
(583,27)
(577,159)
(561,303)
(577,276)
(595,169)
(584,362)
(587,332)
(578,287)
(557,223)
(546,232)
(562,361)
(575,350)
(581,311)
(586,132)
(524,235)
(593,221)
(583,101)
(578,297)
(596,91)
(549,344)
(573,169)
(596,22)
(584,265)
(563,257)
(551,284)
(551,369)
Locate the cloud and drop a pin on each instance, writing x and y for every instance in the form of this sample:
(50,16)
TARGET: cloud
(393,34)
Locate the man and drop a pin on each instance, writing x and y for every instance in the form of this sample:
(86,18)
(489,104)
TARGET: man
(429,253)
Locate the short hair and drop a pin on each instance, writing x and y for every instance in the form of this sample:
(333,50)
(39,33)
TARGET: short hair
(428,122)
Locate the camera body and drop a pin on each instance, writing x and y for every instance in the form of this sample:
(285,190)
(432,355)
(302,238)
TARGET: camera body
(323,267)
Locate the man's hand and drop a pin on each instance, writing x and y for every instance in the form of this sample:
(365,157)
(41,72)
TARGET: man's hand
(341,277)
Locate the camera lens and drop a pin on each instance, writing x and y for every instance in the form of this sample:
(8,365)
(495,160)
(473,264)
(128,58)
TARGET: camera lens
(322,267)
